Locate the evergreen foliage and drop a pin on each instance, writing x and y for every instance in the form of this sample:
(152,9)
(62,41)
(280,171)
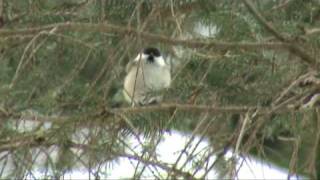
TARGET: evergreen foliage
(242,73)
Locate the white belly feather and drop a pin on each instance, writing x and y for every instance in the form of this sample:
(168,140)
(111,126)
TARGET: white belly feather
(149,78)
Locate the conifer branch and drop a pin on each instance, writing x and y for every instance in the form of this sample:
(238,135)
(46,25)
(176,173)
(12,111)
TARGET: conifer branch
(190,43)
(293,47)
(201,108)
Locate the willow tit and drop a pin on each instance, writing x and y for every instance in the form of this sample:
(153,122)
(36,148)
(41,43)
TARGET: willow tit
(147,74)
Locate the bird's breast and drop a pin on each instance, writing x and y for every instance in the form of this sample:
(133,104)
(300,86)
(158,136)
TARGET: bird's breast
(143,79)
(157,78)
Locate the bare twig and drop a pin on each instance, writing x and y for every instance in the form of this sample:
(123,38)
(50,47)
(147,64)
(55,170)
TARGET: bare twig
(191,43)
(280,6)
(74,73)
(312,159)
(294,48)
(263,21)
(201,108)
(294,157)
(313,31)
(292,85)
(24,60)
(249,115)
(242,131)
(193,136)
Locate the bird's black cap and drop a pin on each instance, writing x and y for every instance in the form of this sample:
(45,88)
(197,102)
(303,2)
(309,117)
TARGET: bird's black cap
(152,51)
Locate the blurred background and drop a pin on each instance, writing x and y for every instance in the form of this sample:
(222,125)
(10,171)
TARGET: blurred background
(245,82)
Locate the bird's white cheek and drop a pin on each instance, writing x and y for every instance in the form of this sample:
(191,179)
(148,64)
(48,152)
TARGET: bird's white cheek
(160,61)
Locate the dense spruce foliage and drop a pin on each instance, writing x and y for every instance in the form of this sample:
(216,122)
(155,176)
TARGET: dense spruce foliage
(242,71)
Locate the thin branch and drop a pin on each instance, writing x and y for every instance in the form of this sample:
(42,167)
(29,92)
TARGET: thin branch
(145,109)
(312,158)
(1,13)
(294,157)
(241,134)
(280,6)
(293,84)
(77,69)
(162,165)
(151,37)
(312,31)
(294,48)
(199,109)
(189,144)
(25,60)
(263,21)
(107,28)
(236,153)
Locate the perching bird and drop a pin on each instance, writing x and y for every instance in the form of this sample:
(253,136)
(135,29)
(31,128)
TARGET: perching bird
(147,75)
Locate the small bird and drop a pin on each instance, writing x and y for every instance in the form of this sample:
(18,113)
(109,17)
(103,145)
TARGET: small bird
(147,75)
